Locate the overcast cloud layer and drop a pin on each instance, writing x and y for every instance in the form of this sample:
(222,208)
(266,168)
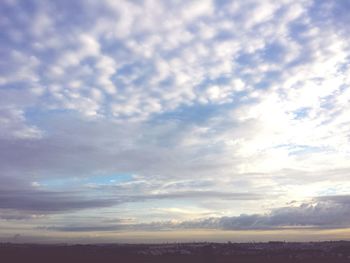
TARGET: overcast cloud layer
(152,115)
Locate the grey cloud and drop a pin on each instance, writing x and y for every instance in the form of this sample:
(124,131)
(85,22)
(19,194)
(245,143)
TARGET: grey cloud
(14,215)
(56,202)
(49,202)
(67,150)
(76,228)
(209,194)
(163,172)
(155,226)
(322,212)
(327,212)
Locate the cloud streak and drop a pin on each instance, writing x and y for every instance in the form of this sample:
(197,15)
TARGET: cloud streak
(329,212)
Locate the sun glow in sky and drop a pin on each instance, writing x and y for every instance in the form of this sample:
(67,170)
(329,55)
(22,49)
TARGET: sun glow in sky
(153,120)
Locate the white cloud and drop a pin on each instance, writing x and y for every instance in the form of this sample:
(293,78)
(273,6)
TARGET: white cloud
(14,125)
(150,36)
(197,9)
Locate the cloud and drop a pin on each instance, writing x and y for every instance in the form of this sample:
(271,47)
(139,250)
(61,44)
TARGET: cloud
(14,125)
(48,202)
(9,215)
(56,202)
(170,161)
(158,67)
(142,44)
(323,212)
(327,212)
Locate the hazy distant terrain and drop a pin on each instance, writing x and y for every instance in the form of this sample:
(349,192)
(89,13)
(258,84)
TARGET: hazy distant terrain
(179,252)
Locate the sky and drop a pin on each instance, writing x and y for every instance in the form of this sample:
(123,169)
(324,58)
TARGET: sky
(154,121)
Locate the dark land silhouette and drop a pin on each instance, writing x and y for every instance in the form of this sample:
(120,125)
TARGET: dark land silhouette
(336,251)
